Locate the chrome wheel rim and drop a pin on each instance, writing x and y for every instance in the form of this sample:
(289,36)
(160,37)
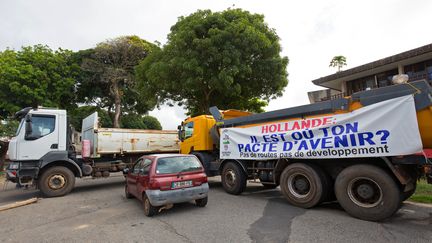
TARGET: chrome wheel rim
(230,178)
(364,192)
(299,185)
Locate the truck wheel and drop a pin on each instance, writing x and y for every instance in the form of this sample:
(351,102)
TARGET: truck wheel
(367,192)
(205,160)
(127,194)
(303,185)
(233,178)
(56,181)
(149,210)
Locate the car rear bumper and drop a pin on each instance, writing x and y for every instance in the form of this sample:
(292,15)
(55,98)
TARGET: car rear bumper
(159,198)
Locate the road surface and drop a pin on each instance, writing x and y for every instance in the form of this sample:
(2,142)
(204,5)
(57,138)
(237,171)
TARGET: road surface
(97,211)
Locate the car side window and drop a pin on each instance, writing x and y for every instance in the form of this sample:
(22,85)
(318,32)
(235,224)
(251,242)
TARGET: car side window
(146,166)
(137,166)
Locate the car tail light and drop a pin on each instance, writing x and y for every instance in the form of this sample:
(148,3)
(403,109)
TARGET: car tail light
(165,186)
(153,184)
(199,181)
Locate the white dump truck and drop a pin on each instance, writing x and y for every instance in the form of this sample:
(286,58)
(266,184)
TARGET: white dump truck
(45,153)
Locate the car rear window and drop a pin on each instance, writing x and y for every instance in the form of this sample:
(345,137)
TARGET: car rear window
(177,164)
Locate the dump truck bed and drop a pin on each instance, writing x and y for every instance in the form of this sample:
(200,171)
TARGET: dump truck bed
(421,90)
(104,141)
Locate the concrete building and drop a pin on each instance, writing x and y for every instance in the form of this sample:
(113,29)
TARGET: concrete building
(416,63)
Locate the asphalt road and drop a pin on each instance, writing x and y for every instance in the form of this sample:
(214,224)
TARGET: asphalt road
(97,211)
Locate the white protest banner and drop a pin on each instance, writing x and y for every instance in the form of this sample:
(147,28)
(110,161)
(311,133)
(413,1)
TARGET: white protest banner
(387,128)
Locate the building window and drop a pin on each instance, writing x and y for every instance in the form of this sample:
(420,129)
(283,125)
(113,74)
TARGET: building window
(385,78)
(420,70)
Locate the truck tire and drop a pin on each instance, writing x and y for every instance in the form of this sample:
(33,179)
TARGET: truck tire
(56,181)
(205,161)
(303,185)
(233,178)
(367,192)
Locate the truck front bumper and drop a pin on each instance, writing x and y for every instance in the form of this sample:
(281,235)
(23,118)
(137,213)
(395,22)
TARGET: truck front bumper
(18,172)
(159,198)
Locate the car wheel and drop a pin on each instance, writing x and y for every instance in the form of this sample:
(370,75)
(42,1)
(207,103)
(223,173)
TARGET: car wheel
(201,202)
(367,192)
(303,185)
(149,210)
(127,194)
(233,178)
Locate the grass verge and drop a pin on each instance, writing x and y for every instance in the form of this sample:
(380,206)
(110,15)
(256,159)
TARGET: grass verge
(423,193)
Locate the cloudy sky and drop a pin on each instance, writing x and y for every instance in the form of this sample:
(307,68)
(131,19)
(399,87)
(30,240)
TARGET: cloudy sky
(311,32)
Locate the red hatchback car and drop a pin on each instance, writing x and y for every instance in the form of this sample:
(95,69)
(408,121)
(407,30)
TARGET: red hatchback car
(165,179)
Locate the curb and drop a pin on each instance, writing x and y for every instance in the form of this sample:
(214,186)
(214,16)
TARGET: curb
(419,204)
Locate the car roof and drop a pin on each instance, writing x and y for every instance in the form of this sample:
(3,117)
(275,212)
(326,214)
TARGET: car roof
(167,155)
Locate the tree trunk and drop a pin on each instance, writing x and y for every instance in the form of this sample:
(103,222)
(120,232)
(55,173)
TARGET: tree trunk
(117,104)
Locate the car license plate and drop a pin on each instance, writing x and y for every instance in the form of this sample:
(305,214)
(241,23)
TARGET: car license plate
(180,184)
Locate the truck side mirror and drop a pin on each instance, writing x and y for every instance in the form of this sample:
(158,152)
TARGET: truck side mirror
(28,118)
(179,132)
(28,128)
(125,171)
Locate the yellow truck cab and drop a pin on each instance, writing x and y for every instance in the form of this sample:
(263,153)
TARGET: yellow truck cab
(197,136)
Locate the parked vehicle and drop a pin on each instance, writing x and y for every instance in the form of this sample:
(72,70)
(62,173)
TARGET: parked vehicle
(43,151)
(164,179)
(357,166)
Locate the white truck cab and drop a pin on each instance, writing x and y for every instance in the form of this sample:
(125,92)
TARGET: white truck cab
(40,152)
(40,131)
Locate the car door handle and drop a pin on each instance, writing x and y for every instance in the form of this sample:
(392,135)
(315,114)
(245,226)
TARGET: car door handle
(54,146)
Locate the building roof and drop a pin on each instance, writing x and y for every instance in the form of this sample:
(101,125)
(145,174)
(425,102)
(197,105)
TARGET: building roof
(416,55)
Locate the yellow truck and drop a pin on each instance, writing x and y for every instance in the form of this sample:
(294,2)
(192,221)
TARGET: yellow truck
(367,151)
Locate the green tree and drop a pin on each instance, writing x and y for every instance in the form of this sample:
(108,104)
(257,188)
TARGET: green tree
(8,128)
(135,121)
(230,59)
(339,62)
(108,76)
(77,115)
(36,75)
(131,120)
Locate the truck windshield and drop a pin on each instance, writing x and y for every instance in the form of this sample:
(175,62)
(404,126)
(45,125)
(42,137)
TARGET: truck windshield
(177,164)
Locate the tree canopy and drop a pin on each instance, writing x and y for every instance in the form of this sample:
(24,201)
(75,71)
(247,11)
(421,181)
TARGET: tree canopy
(131,121)
(108,76)
(230,59)
(136,121)
(339,62)
(36,75)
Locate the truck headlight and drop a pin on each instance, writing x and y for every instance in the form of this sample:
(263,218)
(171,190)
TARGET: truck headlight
(13,166)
